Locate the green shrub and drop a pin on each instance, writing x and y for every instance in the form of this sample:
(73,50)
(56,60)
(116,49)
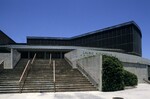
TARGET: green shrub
(112,74)
(130,79)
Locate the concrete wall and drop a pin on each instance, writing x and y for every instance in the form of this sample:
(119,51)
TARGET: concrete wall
(75,55)
(121,56)
(140,70)
(15,57)
(10,59)
(132,63)
(72,57)
(6,57)
(92,68)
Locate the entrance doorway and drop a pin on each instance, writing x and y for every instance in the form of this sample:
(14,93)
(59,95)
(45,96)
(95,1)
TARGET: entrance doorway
(43,54)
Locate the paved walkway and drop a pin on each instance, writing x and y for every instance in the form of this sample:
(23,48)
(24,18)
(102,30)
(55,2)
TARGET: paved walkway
(141,92)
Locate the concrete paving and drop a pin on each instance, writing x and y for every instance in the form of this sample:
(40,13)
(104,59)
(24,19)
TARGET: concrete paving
(141,92)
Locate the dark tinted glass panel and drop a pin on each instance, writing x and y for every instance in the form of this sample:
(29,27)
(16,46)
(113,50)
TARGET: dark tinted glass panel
(127,38)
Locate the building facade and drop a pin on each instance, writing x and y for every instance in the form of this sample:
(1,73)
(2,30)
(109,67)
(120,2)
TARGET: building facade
(123,41)
(126,36)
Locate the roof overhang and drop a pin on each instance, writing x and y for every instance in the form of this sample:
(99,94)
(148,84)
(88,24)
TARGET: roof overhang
(47,47)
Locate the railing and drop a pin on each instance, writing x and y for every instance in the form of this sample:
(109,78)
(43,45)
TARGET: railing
(33,58)
(54,79)
(23,76)
(1,66)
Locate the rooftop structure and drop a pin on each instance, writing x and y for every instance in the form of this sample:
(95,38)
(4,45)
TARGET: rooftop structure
(126,36)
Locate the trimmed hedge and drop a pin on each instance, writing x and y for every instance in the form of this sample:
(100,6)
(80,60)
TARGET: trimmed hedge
(130,79)
(112,74)
(114,77)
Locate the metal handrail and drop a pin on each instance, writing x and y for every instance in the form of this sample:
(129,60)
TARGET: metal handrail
(2,65)
(23,76)
(54,79)
(33,58)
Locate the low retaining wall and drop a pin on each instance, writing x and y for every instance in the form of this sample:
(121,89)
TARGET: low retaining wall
(140,70)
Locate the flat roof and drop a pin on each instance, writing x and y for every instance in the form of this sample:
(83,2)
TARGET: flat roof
(89,33)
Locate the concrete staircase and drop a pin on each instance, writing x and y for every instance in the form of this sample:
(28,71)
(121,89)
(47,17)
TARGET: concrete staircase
(68,79)
(10,77)
(40,78)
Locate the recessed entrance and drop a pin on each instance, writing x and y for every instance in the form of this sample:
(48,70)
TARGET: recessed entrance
(43,54)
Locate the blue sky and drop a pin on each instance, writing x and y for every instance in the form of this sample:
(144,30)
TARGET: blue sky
(66,18)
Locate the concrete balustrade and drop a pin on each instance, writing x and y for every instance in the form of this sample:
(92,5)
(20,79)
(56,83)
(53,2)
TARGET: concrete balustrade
(135,64)
(92,68)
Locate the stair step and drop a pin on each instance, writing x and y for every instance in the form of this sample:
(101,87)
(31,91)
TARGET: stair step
(40,78)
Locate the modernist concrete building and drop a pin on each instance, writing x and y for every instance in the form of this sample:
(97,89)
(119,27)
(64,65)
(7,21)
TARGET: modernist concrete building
(84,52)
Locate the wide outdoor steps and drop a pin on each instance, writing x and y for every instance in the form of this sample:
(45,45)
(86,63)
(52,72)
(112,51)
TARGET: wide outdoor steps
(40,78)
(68,79)
(9,78)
